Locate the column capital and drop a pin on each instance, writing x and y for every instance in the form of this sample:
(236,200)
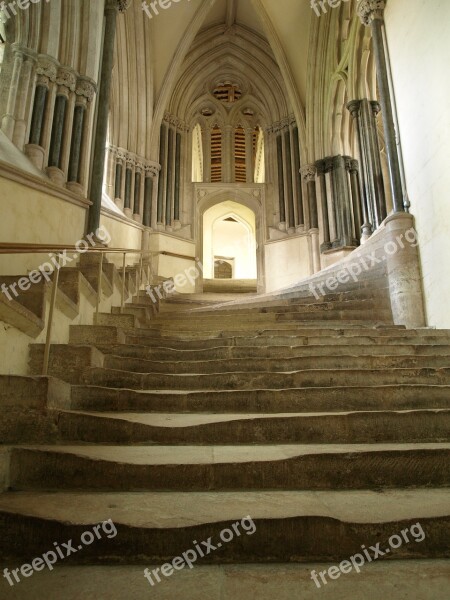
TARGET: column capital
(308,172)
(152,169)
(46,71)
(85,89)
(354,107)
(375,107)
(119,5)
(66,79)
(370,10)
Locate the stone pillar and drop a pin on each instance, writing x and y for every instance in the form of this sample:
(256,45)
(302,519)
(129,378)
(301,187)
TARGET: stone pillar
(282,224)
(287,160)
(42,115)
(300,224)
(170,174)
(309,175)
(109,38)
(352,167)
(23,98)
(206,139)
(227,154)
(249,161)
(162,174)
(364,114)
(176,205)
(128,185)
(8,120)
(371,14)
(138,190)
(118,176)
(62,125)
(81,136)
(343,202)
(151,173)
(321,170)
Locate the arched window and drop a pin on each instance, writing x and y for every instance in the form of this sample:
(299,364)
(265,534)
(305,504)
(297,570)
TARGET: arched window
(197,154)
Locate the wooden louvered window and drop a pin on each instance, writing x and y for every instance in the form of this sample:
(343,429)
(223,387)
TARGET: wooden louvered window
(216,155)
(239,156)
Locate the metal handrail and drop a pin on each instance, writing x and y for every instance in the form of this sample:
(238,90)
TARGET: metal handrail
(12,248)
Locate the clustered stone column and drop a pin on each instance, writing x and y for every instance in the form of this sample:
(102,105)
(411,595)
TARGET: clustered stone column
(290,193)
(172,142)
(371,14)
(364,113)
(58,138)
(112,7)
(340,202)
(132,183)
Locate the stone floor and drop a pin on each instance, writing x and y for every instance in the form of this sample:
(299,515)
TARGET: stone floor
(394,580)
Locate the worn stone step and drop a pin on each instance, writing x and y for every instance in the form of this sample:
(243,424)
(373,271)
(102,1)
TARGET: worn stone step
(237,352)
(196,468)
(117,320)
(256,364)
(420,579)
(294,526)
(269,380)
(266,339)
(279,428)
(328,399)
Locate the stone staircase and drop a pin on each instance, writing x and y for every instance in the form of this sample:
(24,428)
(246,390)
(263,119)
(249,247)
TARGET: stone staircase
(321,420)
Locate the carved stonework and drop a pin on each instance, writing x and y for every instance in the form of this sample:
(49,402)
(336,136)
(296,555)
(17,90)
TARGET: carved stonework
(66,79)
(175,122)
(85,88)
(369,10)
(309,173)
(375,107)
(282,125)
(354,107)
(120,5)
(46,71)
(152,169)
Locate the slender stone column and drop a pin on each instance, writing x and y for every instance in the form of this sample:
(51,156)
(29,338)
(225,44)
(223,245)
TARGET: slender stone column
(249,162)
(364,114)
(111,9)
(128,186)
(137,192)
(282,224)
(228,154)
(169,189)
(162,174)
(289,187)
(62,125)
(118,181)
(81,147)
(8,120)
(352,167)
(321,171)
(151,172)
(41,121)
(77,136)
(371,14)
(176,206)
(300,225)
(309,175)
(37,119)
(206,140)
(23,98)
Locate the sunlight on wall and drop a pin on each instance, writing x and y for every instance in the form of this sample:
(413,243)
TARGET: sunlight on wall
(229,232)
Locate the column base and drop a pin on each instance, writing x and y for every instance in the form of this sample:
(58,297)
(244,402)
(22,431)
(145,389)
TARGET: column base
(75,187)
(119,203)
(291,230)
(137,218)
(300,228)
(282,226)
(56,175)
(36,154)
(128,212)
(177,225)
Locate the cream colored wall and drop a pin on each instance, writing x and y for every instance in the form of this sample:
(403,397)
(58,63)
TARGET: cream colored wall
(287,262)
(419,47)
(32,216)
(210,218)
(173,266)
(123,235)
